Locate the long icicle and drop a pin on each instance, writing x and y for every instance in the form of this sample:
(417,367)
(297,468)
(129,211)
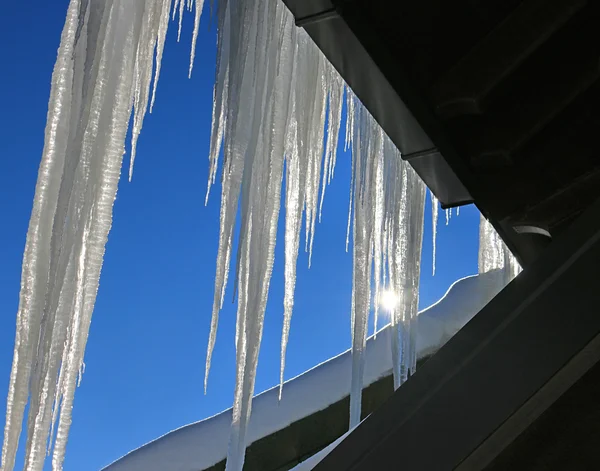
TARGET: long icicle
(271,93)
(435,206)
(103,67)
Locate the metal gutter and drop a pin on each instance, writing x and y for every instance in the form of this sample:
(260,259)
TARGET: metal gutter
(328,24)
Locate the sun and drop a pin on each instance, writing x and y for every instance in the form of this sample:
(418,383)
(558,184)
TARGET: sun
(388,300)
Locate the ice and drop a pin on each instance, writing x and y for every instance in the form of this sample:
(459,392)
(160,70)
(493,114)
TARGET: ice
(405,270)
(143,72)
(362,253)
(163,24)
(274,92)
(256,120)
(336,95)
(494,254)
(181,5)
(103,68)
(434,220)
(199,4)
(35,258)
(270,103)
(388,202)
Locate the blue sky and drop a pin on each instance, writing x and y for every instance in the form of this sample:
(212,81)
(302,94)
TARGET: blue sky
(146,351)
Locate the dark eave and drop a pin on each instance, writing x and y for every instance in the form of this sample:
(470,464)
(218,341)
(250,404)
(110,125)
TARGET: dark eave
(356,54)
(492,102)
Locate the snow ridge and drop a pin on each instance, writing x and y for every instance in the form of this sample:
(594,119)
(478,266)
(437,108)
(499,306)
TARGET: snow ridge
(202,444)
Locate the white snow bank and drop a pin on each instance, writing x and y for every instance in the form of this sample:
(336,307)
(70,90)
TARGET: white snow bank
(202,444)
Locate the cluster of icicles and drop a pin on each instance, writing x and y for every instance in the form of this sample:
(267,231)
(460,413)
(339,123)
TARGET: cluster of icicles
(274,92)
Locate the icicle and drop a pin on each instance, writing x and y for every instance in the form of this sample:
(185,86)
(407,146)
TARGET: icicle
(434,220)
(160,45)
(388,226)
(336,94)
(39,233)
(260,208)
(361,286)
(495,255)
(270,102)
(199,5)
(219,95)
(233,167)
(181,8)
(378,219)
(447,211)
(294,202)
(349,139)
(350,98)
(258,51)
(314,142)
(104,66)
(143,66)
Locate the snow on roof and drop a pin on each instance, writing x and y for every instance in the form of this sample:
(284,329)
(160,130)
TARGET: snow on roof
(202,444)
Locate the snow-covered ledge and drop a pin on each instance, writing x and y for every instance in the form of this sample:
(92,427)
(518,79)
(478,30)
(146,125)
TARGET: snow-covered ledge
(202,444)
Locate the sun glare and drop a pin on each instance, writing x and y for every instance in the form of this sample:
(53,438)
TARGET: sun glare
(388,300)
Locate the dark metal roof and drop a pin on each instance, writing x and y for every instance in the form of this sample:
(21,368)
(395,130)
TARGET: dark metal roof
(492,102)
(564,437)
(497,375)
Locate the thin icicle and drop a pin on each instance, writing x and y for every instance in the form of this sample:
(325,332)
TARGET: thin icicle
(220,95)
(349,139)
(199,4)
(144,62)
(434,220)
(160,44)
(181,9)
(378,220)
(336,94)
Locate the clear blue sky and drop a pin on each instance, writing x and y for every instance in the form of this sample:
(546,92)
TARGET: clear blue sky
(146,350)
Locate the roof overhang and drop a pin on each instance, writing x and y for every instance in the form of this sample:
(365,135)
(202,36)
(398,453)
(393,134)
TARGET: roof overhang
(377,81)
(369,57)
